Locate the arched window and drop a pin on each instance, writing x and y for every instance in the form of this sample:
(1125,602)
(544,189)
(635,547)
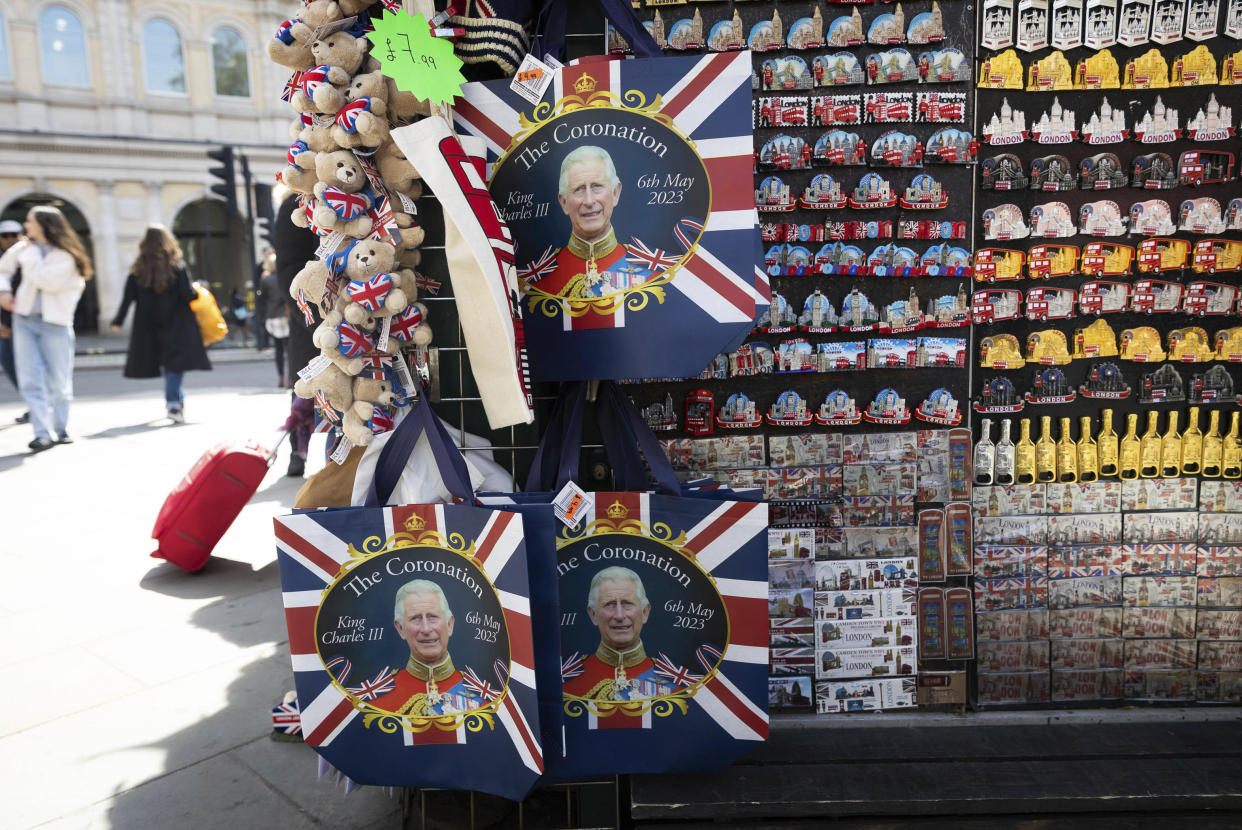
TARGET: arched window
(228,63)
(62,47)
(162,59)
(6,62)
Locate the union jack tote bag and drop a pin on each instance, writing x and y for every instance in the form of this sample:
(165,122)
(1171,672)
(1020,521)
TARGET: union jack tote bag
(627,192)
(410,633)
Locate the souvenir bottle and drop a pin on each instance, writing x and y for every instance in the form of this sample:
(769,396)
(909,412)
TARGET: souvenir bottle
(1231,455)
(1213,447)
(1045,451)
(1088,452)
(1192,444)
(985,455)
(1004,455)
(1024,455)
(1067,455)
(1171,450)
(1129,461)
(1149,448)
(1106,445)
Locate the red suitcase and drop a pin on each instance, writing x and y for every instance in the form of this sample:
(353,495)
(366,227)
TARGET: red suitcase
(204,504)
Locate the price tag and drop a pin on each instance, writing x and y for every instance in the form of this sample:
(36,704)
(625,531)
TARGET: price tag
(532,79)
(342,450)
(314,367)
(381,345)
(571,503)
(418,61)
(403,374)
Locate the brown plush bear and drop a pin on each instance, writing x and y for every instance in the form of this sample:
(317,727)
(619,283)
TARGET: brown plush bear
(341,50)
(367,259)
(327,337)
(396,171)
(343,199)
(299,174)
(369,394)
(363,120)
(291,46)
(338,388)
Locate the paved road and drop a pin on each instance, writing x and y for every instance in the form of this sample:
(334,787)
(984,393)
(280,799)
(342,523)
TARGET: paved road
(140,696)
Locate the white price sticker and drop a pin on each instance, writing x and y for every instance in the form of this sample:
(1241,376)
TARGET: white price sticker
(532,79)
(342,450)
(314,367)
(571,502)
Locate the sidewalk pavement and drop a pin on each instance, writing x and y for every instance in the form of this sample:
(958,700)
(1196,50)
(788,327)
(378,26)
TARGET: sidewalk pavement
(107,351)
(141,695)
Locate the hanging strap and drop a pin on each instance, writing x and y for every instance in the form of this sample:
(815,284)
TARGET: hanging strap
(396,453)
(550,28)
(630,435)
(554,466)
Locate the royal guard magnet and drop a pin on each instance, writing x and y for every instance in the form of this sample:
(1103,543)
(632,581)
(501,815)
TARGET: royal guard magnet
(785,74)
(1190,345)
(1233,215)
(1107,125)
(1229,345)
(1231,65)
(1003,172)
(782,111)
(1164,385)
(1050,74)
(939,407)
(1102,218)
(700,408)
(943,66)
(952,146)
(1052,174)
(1005,222)
(1212,386)
(1095,340)
(894,66)
(1047,348)
(1147,71)
(1103,171)
(888,107)
(839,148)
(1152,217)
(1196,68)
(1050,387)
(940,107)
(897,149)
(1106,382)
(785,152)
(998,396)
(1201,216)
(1050,220)
(1141,345)
(1099,71)
(831,110)
(838,69)
(1153,171)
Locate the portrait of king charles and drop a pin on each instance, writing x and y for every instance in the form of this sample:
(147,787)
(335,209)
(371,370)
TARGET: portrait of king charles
(429,685)
(620,669)
(592,263)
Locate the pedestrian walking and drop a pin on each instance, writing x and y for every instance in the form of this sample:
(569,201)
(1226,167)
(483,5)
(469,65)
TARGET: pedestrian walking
(10,233)
(294,245)
(277,323)
(165,333)
(54,269)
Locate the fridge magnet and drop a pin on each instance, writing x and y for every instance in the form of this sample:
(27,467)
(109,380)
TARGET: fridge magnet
(893,260)
(1049,220)
(1200,216)
(1233,215)
(1233,19)
(1213,386)
(1212,255)
(1153,171)
(1032,25)
(939,407)
(738,412)
(1103,297)
(902,316)
(1101,24)
(951,146)
(1005,127)
(888,408)
(1231,67)
(727,35)
(1166,21)
(1158,125)
(1229,345)
(837,69)
(1003,172)
(926,27)
(888,107)
(660,416)
(750,359)
(785,152)
(1196,68)
(1003,71)
(796,355)
(1141,345)
(947,260)
(994,306)
(1050,261)
(818,315)
(806,32)
(766,35)
(931,541)
(1095,340)
(1000,351)
(872,192)
(829,110)
(1106,259)
(846,30)
(896,149)
(1147,71)
(1102,218)
(1105,381)
(1152,217)
(1005,222)
(1165,385)
(1050,74)
(997,29)
(836,258)
(1047,348)
(785,74)
(1050,387)
(1052,173)
(998,264)
(891,353)
(1160,255)
(700,408)
(892,67)
(887,29)
(823,193)
(943,66)
(1105,126)
(1134,25)
(778,319)
(941,352)
(840,148)
(931,623)
(1155,296)
(858,313)
(1212,123)
(773,195)
(958,521)
(1066,24)
(924,193)
(1190,345)
(789,410)
(838,409)
(1201,19)
(1050,303)
(784,111)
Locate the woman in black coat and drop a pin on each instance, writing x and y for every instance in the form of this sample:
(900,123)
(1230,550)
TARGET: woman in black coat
(165,332)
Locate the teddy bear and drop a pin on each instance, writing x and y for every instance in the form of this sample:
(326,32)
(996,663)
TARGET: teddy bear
(317,137)
(337,388)
(343,194)
(341,50)
(290,47)
(375,286)
(402,105)
(396,171)
(363,120)
(369,395)
(343,343)
(299,173)
(318,90)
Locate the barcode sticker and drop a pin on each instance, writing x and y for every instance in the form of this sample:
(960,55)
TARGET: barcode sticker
(403,373)
(570,503)
(313,368)
(342,450)
(532,79)
(381,345)
(329,244)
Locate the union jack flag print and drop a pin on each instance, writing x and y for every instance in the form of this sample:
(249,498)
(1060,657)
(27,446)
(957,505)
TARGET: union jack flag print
(371,293)
(347,116)
(702,296)
(340,571)
(353,340)
(346,205)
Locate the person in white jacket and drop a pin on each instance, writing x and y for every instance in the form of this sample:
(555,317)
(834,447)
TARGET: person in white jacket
(54,269)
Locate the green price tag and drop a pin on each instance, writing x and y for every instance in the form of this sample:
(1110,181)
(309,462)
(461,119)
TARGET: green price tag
(417,60)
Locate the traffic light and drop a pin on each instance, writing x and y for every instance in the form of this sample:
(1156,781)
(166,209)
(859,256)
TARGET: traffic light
(226,189)
(263,212)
